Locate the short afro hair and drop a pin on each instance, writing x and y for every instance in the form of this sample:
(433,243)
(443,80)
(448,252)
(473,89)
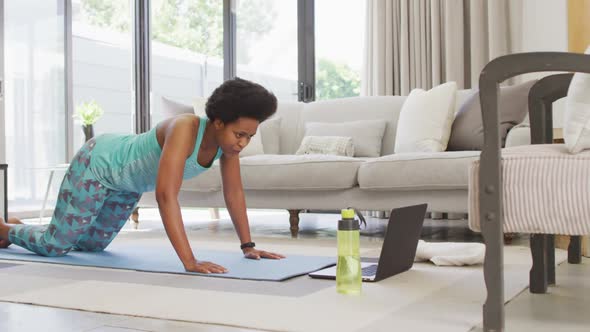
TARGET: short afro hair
(237,98)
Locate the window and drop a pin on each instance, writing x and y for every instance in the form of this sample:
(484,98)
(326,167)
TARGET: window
(34,101)
(102,49)
(266,44)
(339,47)
(187,51)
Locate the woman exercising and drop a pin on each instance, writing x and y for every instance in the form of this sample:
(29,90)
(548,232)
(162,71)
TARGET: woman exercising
(109,173)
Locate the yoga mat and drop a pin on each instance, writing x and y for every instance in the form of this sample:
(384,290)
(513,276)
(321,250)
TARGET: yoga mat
(162,258)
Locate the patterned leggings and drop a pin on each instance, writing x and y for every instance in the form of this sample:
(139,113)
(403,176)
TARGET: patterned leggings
(87,216)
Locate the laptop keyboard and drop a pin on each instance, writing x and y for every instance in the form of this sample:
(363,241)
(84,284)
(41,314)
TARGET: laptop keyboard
(370,270)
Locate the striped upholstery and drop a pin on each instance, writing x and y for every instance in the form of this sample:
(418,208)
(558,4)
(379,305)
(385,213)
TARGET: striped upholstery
(546,190)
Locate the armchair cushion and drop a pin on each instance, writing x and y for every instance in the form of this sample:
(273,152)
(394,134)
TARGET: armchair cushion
(545,191)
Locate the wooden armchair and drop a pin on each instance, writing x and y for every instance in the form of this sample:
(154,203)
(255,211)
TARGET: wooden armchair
(494,168)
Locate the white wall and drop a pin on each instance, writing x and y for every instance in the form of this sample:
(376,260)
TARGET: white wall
(544,25)
(544,28)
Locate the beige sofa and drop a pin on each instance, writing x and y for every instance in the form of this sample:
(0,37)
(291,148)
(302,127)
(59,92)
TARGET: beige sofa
(279,179)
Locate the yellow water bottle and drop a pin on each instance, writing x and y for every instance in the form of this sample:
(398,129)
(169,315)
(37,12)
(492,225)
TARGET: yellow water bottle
(348,268)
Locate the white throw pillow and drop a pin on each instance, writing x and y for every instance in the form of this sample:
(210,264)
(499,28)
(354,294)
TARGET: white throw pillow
(270,130)
(367,135)
(172,108)
(425,120)
(266,139)
(254,147)
(332,145)
(199,104)
(576,124)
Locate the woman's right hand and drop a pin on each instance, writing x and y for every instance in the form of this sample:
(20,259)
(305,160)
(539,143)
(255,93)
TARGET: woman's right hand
(204,267)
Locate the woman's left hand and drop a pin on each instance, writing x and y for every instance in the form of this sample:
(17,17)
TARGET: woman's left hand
(253,253)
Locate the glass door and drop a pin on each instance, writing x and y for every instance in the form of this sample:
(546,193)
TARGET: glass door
(34,103)
(339,47)
(102,64)
(187,54)
(266,44)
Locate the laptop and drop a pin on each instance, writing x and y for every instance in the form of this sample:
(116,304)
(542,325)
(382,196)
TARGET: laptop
(398,250)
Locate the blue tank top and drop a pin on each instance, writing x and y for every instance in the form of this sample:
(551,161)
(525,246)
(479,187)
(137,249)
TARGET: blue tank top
(130,162)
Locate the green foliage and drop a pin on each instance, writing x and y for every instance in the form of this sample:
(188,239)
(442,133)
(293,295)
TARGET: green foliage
(335,80)
(107,13)
(88,112)
(252,24)
(196,25)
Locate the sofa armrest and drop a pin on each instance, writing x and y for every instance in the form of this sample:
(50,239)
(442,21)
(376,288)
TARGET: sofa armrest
(519,135)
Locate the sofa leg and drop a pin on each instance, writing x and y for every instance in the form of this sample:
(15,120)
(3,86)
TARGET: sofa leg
(538,274)
(135,218)
(551,259)
(509,238)
(294,221)
(574,250)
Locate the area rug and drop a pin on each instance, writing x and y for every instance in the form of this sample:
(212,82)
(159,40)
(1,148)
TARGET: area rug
(423,299)
(160,257)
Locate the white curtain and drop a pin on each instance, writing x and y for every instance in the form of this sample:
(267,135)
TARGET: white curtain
(423,43)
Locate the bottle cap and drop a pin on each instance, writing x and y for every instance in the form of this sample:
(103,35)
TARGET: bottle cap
(347,213)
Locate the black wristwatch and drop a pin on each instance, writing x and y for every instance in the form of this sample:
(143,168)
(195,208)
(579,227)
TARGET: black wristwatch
(247,245)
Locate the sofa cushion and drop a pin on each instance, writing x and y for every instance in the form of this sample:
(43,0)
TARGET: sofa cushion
(172,108)
(383,108)
(417,171)
(254,147)
(519,135)
(467,130)
(299,172)
(367,135)
(270,132)
(290,114)
(199,105)
(425,120)
(266,140)
(334,145)
(207,181)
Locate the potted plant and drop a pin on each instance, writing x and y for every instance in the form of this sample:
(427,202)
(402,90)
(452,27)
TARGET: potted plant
(88,112)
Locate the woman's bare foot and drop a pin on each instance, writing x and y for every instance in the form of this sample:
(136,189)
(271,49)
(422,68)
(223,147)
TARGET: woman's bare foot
(4,228)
